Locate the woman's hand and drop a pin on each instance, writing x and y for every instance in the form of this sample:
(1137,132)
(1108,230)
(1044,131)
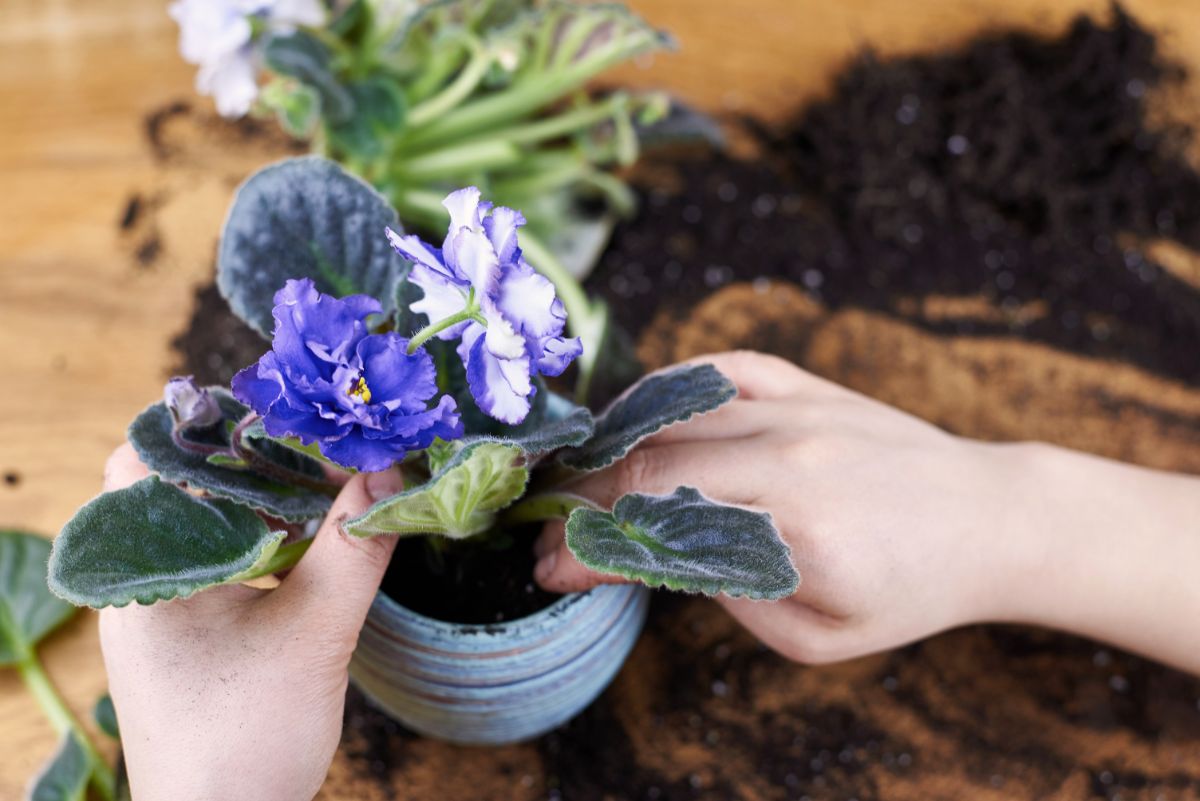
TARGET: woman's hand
(900,530)
(238,692)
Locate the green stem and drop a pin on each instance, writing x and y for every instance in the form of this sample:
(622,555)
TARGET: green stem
(471,312)
(546,506)
(285,556)
(64,721)
(458,91)
(570,291)
(532,93)
(485,154)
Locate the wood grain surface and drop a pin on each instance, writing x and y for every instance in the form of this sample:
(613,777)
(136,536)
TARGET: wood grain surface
(88,308)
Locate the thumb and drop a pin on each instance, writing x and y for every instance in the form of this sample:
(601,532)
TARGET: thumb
(557,568)
(341,573)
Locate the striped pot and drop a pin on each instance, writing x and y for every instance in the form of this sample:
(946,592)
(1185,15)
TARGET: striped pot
(500,683)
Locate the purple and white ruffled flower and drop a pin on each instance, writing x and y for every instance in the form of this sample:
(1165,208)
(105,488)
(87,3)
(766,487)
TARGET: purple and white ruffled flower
(514,323)
(219,37)
(362,397)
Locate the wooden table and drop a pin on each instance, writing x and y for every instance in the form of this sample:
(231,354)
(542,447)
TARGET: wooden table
(87,309)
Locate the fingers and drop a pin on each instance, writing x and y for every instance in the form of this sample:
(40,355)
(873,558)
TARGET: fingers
(557,568)
(123,468)
(796,630)
(341,573)
(759,376)
(726,474)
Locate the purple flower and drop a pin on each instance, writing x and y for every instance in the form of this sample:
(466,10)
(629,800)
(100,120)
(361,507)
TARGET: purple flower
(361,396)
(514,326)
(190,405)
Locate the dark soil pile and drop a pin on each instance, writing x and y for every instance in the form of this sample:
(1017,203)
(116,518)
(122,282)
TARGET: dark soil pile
(1028,172)
(486,582)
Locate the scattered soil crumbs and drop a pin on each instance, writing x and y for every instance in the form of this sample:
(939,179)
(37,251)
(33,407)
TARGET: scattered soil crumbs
(486,581)
(1028,174)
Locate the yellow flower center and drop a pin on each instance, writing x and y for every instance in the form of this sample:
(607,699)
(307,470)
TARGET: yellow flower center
(360,390)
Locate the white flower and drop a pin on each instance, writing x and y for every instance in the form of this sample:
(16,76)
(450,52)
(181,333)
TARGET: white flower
(218,36)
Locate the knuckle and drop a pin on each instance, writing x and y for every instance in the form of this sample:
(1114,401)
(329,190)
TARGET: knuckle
(640,470)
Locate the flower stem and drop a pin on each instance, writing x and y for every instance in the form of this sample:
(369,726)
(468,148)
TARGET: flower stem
(546,506)
(421,337)
(533,92)
(271,470)
(64,721)
(285,556)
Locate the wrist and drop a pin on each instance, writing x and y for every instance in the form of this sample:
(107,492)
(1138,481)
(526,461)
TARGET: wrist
(1099,548)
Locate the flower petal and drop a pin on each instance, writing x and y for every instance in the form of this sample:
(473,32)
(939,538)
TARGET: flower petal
(489,384)
(501,227)
(557,353)
(396,379)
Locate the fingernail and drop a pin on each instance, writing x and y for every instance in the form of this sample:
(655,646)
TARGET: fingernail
(545,566)
(384,484)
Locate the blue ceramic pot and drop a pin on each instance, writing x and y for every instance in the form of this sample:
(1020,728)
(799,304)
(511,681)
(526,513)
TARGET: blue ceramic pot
(501,683)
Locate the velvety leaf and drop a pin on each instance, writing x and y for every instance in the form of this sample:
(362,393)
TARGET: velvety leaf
(151,542)
(684,541)
(657,401)
(150,435)
(682,125)
(302,56)
(305,218)
(579,241)
(379,113)
(105,715)
(65,777)
(558,423)
(28,610)
(460,500)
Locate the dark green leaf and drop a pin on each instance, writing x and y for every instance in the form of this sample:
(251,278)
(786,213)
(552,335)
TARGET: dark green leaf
(460,500)
(557,423)
(28,610)
(65,777)
(684,541)
(682,125)
(379,113)
(302,56)
(150,435)
(657,401)
(305,218)
(151,542)
(105,715)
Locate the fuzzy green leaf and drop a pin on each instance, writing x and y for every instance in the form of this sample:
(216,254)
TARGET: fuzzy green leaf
(556,423)
(461,500)
(151,542)
(65,777)
(28,610)
(302,56)
(150,435)
(657,401)
(305,218)
(683,541)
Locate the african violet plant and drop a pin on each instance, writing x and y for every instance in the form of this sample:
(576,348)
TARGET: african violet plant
(419,97)
(432,361)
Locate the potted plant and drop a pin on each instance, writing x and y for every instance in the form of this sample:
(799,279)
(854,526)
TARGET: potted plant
(390,353)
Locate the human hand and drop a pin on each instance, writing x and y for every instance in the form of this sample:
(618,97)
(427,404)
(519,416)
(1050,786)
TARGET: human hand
(239,692)
(900,530)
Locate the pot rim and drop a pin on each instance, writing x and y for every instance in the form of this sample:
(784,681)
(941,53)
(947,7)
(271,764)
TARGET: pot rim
(488,632)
